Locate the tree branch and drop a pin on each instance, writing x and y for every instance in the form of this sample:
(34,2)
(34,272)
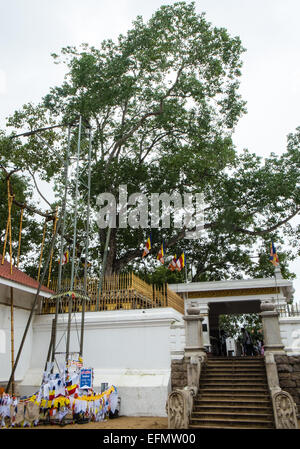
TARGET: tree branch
(268,230)
(38,188)
(124,138)
(23,205)
(174,240)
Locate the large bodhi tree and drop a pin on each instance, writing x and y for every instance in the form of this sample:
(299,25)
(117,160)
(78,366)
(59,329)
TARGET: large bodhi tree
(163,102)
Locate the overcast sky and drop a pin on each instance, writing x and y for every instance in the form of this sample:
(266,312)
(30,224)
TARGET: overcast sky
(269,29)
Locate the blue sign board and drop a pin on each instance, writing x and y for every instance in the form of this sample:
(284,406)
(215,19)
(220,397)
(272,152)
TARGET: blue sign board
(86,378)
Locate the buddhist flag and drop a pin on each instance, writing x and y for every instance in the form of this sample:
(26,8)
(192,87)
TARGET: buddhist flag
(161,253)
(52,394)
(72,389)
(65,258)
(273,255)
(172,264)
(147,247)
(180,262)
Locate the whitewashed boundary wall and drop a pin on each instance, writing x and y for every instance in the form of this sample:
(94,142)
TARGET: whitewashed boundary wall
(290,334)
(20,321)
(130,349)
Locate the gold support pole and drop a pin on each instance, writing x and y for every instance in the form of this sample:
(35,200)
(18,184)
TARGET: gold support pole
(4,246)
(20,234)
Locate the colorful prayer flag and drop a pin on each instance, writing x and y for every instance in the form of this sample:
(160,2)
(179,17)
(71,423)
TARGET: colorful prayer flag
(161,253)
(52,394)
(71,389)
(147,247)
(172,264)
(273,255)
(180,262)
(65,258)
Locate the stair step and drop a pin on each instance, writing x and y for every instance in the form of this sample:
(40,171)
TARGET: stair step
(234,369)
(255,379)
(228,426)
(234,365)
(236,420)
(233,386)
(233,393)
(243,388)
(242,357)
(233,362)
(238,381)
(263,398)
(231,415)
(236,402)
(232,407)
(235,359)
(234,374)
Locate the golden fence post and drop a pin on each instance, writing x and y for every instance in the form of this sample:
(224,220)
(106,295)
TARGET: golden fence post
(118,290)
(109,283)
(114,291)
(104,292)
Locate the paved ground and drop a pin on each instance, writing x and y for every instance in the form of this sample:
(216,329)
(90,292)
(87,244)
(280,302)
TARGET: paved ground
(123,422)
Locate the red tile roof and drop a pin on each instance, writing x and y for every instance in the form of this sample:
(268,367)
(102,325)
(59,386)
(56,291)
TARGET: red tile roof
(19,277)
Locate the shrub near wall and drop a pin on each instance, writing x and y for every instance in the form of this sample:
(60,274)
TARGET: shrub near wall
(288,368)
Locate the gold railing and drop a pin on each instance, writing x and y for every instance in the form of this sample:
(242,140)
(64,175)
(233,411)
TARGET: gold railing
(119,291)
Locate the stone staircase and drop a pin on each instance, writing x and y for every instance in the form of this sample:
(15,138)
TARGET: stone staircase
(233,394)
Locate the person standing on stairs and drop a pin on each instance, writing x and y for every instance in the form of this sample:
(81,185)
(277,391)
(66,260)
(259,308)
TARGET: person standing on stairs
(247,342)
(223,337)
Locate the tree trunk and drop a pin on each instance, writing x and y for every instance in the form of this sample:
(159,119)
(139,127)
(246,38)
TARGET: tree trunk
(111,255)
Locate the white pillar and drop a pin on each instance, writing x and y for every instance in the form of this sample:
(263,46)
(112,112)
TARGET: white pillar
(193,333)
(272,338)
(204,312)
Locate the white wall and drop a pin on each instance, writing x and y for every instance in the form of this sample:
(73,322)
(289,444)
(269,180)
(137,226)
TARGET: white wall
(177,340)
(130,349)
(290,334)
(20,321)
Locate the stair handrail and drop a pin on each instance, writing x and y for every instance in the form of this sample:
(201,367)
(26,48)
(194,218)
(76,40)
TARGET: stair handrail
(284,407)
(180,402)
(179,408)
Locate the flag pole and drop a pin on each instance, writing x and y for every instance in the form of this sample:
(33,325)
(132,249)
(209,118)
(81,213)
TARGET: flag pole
(185,267)
(274,262)
(276,285)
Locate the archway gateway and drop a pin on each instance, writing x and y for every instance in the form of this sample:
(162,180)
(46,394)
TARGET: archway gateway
(232,297)
(238,312)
